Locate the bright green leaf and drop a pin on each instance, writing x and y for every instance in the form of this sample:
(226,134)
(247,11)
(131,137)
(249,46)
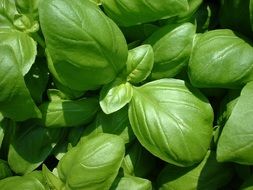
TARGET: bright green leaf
(172,120)
(139,63)
(115,95)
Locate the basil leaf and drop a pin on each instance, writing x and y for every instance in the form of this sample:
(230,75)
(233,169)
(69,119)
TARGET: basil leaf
(14,96)
(84,58)
(5,170)
(7,13)
(1,117)
(129,13)
(209,175)
(1,134)
(172,47)
(27,182)
(67,113)
(138,161)
(172,120)
(139,63)
(37,79)
(29,7)
(93,164)
(227,105)
(131,182)
(116,123)
(115,95)
(30,146)
(23,47)
(53,181)
(221,59)
(238,126)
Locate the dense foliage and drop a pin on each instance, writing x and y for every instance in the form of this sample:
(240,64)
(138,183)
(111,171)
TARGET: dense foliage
(126,95)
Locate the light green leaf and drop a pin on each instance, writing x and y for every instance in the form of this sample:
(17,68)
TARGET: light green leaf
(18,53)
(172,120)
(208,175)
(172,47)
(53,181)
(21,183)
(139,63)
(68,113)
(221,59)
(133,183)
(15,100)
(93,164)
(7,13)
(82,58)
(23,47)
(129,13)
(29,7)
(115,95)
(235,143)
(1,134)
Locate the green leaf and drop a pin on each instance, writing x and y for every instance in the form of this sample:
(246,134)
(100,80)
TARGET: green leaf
(53,181)
(238,126)
(194,6)
(227,105)
(30,146)
(1,117)
(93,164)
(7,13)
(5,170)
(172,47)
(1,134)
(115,95)
(21,183)
(29,7)
(25,23)
(36,80)
(138,161)
(139,63)
(8,127)
(221,59)
(23,47)
(68,113)
(208,175)
(131,182)
(172,120)
(83,56)
(135,12)
(116,123)
(15,100)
